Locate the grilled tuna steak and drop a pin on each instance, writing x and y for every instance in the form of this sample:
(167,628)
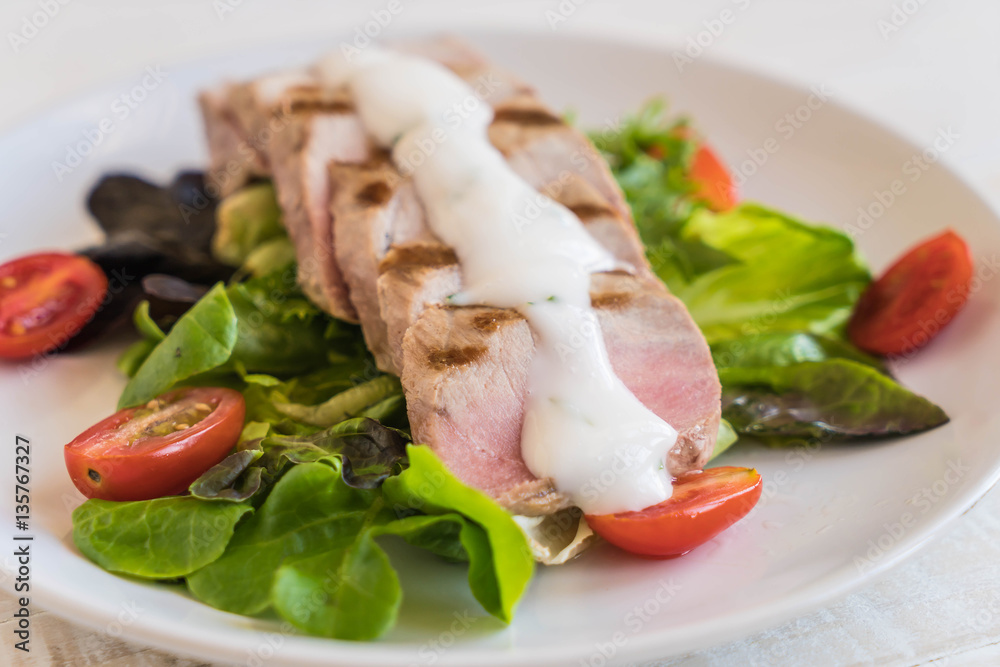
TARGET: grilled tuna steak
(371,257)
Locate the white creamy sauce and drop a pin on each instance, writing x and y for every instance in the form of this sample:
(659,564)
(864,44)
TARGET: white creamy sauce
(518,249)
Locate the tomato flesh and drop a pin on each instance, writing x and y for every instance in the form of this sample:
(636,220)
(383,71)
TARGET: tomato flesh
(45,299)
(157,449)
(915,298)
(713,183)
(703,504)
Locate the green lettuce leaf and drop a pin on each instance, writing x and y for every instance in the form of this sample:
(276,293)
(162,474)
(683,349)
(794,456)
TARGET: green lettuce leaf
(501,563)
(347,593)
(245,220)
(280,331)
(163,538)
(309,551)
(726,438)
(785,348)
(370,395)
(786,275)
(309,511)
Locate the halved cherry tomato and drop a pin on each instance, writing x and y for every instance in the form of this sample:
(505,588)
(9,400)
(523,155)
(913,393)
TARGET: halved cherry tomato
(714,184)
(704,504)
(45,299)
(157,449)
(915,298)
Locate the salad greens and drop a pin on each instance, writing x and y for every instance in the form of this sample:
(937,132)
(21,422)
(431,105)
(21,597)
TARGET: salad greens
(291,522)
(245,221)
(243,540)
(156,539)
(772,295)
(826,399)
(784,275)
(203,339)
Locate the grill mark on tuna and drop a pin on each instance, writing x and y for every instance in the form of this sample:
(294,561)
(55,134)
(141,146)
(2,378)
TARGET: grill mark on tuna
(533,117)
(305,99)
(375,193)
(611,300)
(455,356)
(589,211)
(491,321)
(417,256)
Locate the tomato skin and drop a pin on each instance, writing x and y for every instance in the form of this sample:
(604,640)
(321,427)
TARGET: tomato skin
(714,184)
(45,299)
(704,503)
(915,298)
(158,465)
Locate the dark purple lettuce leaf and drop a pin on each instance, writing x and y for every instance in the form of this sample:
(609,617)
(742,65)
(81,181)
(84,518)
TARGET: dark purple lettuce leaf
(833,399)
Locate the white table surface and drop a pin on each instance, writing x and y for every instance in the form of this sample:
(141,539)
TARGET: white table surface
(936,66)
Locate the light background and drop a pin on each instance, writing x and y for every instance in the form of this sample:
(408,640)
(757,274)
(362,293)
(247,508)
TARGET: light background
(937,65)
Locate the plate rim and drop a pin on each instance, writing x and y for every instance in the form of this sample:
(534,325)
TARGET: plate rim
(817,593)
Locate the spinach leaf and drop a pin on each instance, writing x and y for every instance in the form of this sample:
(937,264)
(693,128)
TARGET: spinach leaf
(159,539)
(441,534)
(348,593)
(202,339)
(309,511)
(145,324)
(134,356)
(835,398)
(500,561)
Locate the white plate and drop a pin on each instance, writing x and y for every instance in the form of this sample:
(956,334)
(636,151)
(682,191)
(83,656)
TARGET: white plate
(830,519)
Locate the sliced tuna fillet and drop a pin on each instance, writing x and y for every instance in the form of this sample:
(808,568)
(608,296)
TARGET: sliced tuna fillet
(373,208)
(303,127)
(233,160)
(466,370)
